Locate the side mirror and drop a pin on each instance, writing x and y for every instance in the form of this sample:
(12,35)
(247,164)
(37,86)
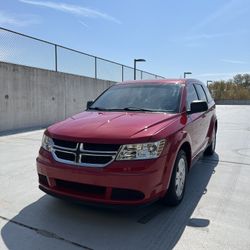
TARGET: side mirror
(89,103)
(198,106)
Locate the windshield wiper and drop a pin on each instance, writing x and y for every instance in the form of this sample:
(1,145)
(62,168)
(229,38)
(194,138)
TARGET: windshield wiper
(126,109)
(146,110)
(103,109)
(97,108)
(137,109)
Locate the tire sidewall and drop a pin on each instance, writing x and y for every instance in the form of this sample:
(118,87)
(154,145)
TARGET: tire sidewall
(211,148)
(171,197)
(181,155)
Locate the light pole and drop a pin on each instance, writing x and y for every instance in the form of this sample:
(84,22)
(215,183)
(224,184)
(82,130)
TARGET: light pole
(187,73)
(209,81)
(135,61)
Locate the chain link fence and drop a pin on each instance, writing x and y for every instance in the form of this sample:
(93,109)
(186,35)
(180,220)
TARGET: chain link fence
(30,51)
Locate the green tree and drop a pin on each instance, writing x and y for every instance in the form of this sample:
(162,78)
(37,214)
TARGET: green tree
(242,79)
(237,88)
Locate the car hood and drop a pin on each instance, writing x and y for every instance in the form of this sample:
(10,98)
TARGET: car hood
(111,127)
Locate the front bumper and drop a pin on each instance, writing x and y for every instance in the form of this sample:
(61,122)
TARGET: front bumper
(120,183)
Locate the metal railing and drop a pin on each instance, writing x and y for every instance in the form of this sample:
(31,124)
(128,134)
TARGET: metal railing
(26,50)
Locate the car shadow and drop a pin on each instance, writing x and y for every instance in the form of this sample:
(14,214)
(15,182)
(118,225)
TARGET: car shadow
(153,227)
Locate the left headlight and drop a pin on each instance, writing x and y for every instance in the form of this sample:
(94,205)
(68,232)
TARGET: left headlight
(47,143)
(141,151)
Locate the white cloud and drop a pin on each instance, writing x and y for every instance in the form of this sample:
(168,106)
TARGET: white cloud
(222,75)
(228,10)
(72,9)
(84,24)
(17,20)
(196,40)
(206,36)
(233,61)
(215,74)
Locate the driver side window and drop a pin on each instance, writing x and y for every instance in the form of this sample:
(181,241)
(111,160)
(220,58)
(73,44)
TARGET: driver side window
(191,95)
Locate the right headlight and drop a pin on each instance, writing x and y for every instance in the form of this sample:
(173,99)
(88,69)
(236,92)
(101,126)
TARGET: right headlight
(47,143)
(141,151)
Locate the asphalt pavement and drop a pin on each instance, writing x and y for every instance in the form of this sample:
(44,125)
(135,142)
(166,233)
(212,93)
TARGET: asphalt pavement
(215,213)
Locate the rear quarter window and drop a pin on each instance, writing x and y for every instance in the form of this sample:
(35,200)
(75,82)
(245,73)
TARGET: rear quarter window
(191,96)
(209,97)
(201,92)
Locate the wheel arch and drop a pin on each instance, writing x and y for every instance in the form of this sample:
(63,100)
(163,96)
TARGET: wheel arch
(213,124)
(186,147)
(216,125)
(169,196)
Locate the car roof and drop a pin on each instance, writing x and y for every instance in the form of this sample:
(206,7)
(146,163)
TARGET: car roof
(162,81)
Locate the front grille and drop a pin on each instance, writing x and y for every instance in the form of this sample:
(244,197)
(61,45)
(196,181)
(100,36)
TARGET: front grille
(79,188)
(65,144)
(68,156)
(95,159)
(126,194)
(84,154)
(87,190)
(101,147)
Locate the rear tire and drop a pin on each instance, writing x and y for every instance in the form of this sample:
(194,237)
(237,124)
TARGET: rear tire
(211,148)
(177,185)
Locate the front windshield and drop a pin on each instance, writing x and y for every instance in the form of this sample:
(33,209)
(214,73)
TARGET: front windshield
(147,97)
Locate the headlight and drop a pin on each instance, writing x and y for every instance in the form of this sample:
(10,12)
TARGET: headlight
(47,143)
(143,151)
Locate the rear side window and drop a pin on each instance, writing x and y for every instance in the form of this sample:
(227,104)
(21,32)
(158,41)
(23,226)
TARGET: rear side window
(191,96)
(209,97)
(201,92)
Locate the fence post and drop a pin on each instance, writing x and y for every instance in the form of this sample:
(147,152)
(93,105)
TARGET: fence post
(141,74)
(95,67)
(122,73)
(55,57)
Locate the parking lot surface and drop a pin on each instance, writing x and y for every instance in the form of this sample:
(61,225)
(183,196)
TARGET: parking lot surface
(215,213)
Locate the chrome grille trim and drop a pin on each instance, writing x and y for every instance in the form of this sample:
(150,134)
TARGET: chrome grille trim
(59,159)
(98,155)
(64,148)
(95,151)
(79,152)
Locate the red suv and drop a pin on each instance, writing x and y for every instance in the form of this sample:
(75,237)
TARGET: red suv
(133,145)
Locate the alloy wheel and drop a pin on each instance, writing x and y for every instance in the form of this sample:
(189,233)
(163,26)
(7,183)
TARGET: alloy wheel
(180,177)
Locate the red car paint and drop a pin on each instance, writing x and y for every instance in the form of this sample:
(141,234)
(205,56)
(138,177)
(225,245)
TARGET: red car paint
(127,182)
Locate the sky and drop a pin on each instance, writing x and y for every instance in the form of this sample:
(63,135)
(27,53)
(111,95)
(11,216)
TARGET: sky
(209,38)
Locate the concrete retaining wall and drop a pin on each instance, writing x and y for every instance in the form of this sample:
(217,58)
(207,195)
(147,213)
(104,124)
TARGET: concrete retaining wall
(232,102)
(32,97)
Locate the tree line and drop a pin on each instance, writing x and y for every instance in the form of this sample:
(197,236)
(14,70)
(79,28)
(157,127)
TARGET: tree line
(237,88)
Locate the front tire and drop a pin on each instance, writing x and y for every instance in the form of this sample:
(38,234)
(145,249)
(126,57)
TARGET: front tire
(211,148)
(177,185)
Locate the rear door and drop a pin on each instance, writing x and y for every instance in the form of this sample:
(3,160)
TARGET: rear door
(194,124)
(205,117)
